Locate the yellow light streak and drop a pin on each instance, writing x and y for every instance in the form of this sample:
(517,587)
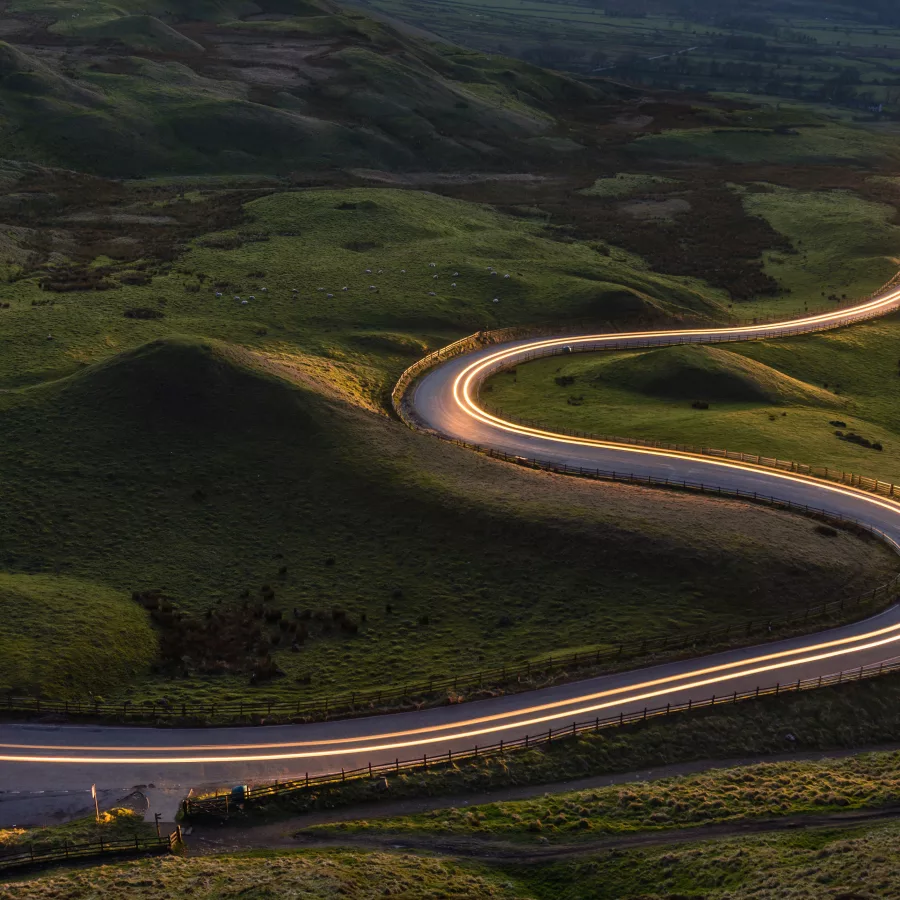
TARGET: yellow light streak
(463,386)
(460,735)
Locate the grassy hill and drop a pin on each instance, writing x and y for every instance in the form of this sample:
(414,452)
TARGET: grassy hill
(261,521)
(824,399)
(144,88)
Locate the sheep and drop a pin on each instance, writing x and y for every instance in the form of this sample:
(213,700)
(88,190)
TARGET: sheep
(403,271)
(433,265)
(372,287)
(329,296)
(236,297)
(434,276)
(294,290)
(218,293)
(432,294)
(496,299)
(506,276)
(243,302)
(264,290)
(456,274)
(345,288)
(251,297)
(368,271)
(322,290)
(453,285)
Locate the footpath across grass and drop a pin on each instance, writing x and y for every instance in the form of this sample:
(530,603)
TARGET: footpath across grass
(837,862)
(767,790)
(844,717)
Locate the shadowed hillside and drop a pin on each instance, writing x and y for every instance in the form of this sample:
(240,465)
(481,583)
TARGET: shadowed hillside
(276,85)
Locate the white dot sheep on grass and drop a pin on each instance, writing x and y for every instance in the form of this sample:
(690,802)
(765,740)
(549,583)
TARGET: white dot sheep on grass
(329,296)
(236,297)
(453,285)
(506,276)
(345,288)
(403,271)
(264,290)
(496,299)
(456,274)
(218,293)
(294,291)
(368,271)
(372,287)
(251,297)
(433,265)
(432,294)
(243,302)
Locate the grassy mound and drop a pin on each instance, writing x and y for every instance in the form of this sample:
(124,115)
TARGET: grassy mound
(825,399)
(708,373)
(302,246)
(63,637)
(197,469)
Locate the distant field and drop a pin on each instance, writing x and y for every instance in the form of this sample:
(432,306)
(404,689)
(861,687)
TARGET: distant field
(812,52)
(777,398)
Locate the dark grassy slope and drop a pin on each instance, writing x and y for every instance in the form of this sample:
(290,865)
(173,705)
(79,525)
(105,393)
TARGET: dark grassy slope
(191,468)
(270,86)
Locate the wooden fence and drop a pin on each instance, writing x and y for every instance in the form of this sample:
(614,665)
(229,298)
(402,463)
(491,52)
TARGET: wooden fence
(221,806)
(36,856)
(440,688)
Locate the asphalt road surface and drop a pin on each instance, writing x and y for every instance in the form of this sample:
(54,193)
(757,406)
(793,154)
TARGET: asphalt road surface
(46,770)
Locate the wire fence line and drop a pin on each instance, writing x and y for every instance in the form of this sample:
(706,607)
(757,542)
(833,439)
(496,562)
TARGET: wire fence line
(242,711)
(224,804)
(481,339)
(839,476)
(505,677)
(37,856)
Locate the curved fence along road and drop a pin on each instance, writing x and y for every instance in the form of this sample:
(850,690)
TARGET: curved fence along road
(43,760)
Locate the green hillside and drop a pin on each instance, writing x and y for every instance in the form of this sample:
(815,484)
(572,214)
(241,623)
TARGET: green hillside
(147,87)
(203,477)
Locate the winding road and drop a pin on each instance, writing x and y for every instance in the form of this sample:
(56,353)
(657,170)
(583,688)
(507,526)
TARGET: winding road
(46,770)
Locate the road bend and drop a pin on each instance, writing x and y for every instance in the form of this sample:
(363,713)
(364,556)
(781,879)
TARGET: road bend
(44,766)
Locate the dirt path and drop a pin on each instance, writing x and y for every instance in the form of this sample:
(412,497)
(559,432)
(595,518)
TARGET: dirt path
(207,839)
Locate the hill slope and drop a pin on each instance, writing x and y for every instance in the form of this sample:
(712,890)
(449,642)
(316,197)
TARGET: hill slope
(195,469)
(145,88)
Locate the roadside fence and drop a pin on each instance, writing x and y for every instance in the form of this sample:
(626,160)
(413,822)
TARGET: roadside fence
(499,336)
(222,805)
(444,689)
(509,678)
(36,856)
(850,479)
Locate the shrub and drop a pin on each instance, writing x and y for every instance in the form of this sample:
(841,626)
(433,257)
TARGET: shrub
(143,312)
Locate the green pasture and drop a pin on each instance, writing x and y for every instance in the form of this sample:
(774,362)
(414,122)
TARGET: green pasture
(767,790)
(775,398)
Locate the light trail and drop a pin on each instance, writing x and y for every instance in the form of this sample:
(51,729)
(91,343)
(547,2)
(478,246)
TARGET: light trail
(893,638)
(463,390)
(889,634)
(466,384)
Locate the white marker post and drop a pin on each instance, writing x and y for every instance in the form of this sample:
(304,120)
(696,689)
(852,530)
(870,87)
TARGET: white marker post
(96,802)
